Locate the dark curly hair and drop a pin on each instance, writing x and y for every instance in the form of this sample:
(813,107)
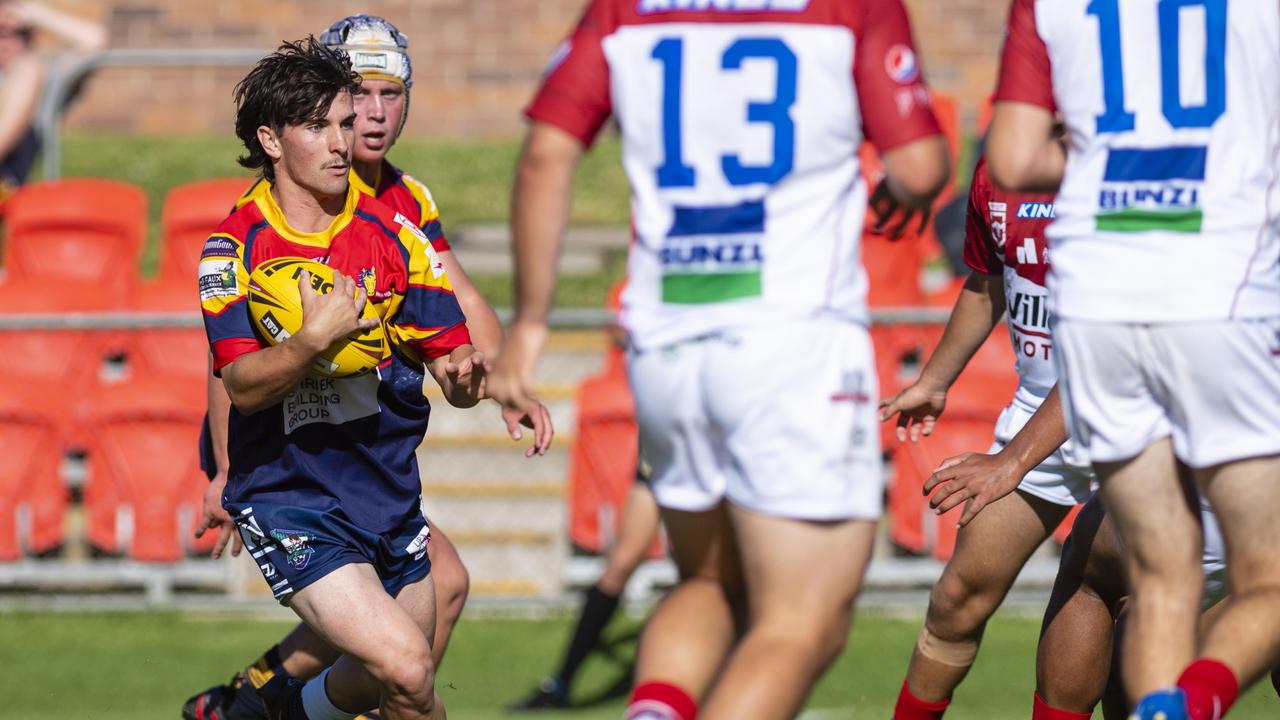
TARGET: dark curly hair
(294,85)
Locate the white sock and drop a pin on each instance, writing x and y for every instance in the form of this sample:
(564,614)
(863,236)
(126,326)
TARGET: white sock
(316,702)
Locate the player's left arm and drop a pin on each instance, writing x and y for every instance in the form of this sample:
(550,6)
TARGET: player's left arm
(978,480)
(1024,152)
(539,215)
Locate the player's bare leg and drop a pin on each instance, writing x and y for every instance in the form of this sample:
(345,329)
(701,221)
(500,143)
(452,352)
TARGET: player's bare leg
(1073,660)
(802,578)
(990,551)
(1159,524)
(1245,635)
(688,635)
(636,532)
(387,654)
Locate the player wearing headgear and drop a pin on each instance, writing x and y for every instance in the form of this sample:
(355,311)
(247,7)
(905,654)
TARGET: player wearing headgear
(379,54)
(1166,295)
(745,303)
(323,480)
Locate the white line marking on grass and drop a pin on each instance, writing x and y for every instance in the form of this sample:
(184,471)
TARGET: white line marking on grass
(826,714)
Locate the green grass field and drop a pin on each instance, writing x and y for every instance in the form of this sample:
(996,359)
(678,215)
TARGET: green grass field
(142,666)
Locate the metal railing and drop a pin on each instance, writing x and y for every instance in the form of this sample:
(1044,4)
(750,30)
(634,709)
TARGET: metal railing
(66,75)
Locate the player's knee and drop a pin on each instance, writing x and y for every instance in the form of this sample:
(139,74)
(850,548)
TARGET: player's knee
(960,606)
(405,670)
(453,588)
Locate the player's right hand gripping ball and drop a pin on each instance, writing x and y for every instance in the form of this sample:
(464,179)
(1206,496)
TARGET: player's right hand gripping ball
(275,305)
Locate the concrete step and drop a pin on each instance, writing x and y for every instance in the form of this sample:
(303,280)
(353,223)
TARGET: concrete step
(501,460)
(487,518)
(532,566)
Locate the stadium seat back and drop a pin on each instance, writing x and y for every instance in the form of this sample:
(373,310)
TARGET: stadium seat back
(144,488)
(602,462)
(84,231)
(33,498)
(190,214)
(172,352)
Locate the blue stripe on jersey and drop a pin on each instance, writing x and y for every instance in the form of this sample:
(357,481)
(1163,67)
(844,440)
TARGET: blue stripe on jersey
(1171,163)
(376,221)
(425,307)
(747,217)
(248,243)
(232,322)
(433,230)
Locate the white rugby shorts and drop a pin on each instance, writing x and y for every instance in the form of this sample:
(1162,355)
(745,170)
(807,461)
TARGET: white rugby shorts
(1213,387)
(779,420)
(1061,479)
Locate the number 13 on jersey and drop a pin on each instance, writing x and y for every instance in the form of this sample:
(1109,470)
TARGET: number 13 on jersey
(674,171)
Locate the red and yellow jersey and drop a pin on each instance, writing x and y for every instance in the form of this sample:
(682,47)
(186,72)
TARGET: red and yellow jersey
(381,248)
(342,445)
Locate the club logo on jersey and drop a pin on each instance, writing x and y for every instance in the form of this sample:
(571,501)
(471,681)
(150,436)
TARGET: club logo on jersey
(218,279)
(1152,189)
(367,280)
(1035,211)
(900,63)
(295,545)
(999,216)
(645,7)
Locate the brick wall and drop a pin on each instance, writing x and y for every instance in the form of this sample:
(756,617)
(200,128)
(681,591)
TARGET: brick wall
(475,61)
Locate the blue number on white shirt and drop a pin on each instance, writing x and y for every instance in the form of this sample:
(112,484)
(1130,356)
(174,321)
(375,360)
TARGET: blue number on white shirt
(1114,117)
(674,172)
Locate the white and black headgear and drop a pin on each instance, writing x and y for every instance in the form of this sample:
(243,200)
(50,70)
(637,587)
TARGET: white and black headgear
(378,51)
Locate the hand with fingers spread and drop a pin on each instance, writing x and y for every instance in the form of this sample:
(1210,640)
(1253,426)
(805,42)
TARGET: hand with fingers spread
(975,479)
(917,407)
(466,371)
(332,316)
(511,382)
(212,515)
(539,421)
(884,207)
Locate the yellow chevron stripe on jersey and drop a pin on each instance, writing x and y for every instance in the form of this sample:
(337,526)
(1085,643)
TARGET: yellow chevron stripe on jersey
(425,199)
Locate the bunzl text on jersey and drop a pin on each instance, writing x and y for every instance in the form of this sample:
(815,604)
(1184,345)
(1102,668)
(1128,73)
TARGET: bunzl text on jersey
(657,6)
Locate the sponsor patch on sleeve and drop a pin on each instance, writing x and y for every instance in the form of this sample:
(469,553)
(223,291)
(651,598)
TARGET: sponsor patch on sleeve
(218,247)
(218,278)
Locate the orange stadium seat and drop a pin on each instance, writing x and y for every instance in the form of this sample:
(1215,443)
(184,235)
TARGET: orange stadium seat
(142,497)
(84,231)
(190,214)
(33,497)
(170,352)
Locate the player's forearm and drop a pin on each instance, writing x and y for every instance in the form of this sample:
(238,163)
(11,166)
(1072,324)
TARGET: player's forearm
(1024,153)
(1043,434)
(219,404)
(79,34)
(482,322)
(258,380)
(539,215)
(916,172)
(974,316)
(21,93)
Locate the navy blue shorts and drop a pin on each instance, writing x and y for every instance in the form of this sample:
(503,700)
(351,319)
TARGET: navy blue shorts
(295,546)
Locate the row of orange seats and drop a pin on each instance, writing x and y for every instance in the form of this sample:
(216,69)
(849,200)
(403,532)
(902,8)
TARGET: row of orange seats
(129,401)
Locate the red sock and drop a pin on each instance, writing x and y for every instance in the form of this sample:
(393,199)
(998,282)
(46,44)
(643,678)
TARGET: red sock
(1211,689)
(660,701)
(1041,710)
(910,707)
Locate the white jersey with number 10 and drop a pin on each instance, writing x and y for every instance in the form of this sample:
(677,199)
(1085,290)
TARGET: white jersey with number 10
(1169,205)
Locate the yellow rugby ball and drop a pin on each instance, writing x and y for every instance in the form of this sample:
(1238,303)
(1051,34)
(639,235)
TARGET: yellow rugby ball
(275,304)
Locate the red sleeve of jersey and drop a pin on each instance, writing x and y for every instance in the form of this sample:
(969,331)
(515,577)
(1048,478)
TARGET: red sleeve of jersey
(575,91)
(1025,74)
(980,252)
(228,351)
(443,343)
(886,72)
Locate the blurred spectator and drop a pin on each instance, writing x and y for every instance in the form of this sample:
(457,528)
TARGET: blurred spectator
(22,75)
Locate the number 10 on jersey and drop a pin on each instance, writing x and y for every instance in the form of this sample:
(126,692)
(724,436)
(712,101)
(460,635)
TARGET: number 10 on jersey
(674,172)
